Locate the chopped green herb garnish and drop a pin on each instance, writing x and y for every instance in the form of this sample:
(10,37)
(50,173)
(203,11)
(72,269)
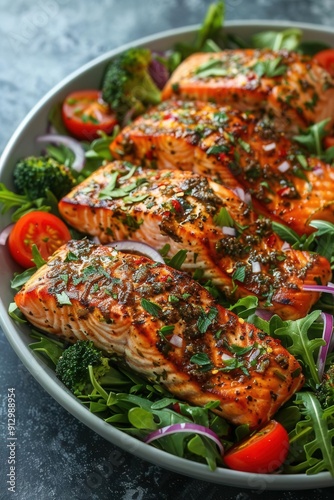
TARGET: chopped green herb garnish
(151,307)
(270,68)
(206,319)
(63,299)
(223,218)
(200,359)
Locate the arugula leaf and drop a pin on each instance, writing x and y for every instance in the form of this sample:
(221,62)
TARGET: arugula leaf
(206,38)
(15,313)
(51,348)
(142,419)
(313,435)
(287,39)
(20,279)
(296,335)
(286,233)
(10,200)
(245,307)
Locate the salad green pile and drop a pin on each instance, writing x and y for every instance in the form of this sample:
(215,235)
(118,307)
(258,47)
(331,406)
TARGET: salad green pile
(137,407)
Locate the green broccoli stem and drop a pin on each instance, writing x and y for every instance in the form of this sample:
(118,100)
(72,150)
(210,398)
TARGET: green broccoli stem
(99,389)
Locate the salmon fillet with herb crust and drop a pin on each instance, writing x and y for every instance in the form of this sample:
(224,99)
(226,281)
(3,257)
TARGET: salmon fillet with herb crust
(226,243)
(291,87)
(195,348)
(235,149)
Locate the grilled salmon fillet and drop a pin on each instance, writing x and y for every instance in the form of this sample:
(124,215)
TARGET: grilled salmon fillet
(235,149)
(291,86)
(122,303)
(225,241)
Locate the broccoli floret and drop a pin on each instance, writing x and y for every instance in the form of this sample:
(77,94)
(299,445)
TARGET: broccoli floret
(127,85)
(33,176)
(72,367)
(325,392)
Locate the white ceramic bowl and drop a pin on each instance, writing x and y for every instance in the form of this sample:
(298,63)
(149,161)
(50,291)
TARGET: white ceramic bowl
(22,144)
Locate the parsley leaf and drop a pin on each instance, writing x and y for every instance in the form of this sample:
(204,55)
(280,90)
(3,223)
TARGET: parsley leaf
(151,307)
(206,319)
(239,274)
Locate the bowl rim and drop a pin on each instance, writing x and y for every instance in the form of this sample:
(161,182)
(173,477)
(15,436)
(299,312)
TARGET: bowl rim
(46,377)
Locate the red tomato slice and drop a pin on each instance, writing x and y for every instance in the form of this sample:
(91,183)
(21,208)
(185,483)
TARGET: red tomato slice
(325,58)
(262,452)
(44,230)
(84,113)
(328,142)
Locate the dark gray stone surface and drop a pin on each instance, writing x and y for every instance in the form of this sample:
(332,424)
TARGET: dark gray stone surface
(40,43)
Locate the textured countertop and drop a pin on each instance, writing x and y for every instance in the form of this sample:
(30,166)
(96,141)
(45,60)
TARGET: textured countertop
(41,42)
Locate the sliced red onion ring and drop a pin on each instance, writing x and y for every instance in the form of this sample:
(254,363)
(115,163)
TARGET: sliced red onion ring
(264,314)
(318,171)
(239,192)
(185,427)
(269,147)
(72,144)
(136,247)
(329,288)
(328,337)
(5,233)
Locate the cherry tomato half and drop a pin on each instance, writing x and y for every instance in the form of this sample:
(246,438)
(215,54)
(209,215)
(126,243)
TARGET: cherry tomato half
(44,230)
(325,58)
(84,113)
(262,452)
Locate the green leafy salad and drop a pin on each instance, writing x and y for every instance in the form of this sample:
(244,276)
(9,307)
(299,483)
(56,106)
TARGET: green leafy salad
(123,398)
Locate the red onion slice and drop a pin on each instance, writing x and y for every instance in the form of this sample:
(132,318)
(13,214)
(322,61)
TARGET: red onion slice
(185,427)
(328,337)
(329,288)
(176,341)
(283,167)
(256,267)
(269,147)
(136,247)
(5,233)
(229,231)
(264,314)
(72,144)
